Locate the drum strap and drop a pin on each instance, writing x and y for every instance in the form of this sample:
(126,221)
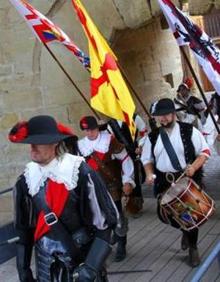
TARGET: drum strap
(170,150)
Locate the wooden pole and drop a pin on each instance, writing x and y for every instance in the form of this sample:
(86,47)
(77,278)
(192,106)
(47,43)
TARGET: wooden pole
(199,87)
(72,81)
(135,92)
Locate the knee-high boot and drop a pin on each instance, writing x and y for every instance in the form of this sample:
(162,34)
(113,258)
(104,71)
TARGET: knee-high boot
(121,249)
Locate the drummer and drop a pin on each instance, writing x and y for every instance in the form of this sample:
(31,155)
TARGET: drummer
(174,147)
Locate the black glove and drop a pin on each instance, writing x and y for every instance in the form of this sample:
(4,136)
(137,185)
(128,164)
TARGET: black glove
(84,273)
(99,251)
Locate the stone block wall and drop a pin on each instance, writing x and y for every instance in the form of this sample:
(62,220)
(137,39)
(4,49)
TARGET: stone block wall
(200,7)
(149,55)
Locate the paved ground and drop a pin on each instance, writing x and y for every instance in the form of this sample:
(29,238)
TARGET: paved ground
(154,247)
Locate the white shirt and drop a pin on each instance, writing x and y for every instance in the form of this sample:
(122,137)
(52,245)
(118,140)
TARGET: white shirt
(142,130)
(101,144)
(208,130)
(162,159)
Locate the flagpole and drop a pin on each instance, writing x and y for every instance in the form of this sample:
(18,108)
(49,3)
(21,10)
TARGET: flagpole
(71,80)
(199,87)
(135,92)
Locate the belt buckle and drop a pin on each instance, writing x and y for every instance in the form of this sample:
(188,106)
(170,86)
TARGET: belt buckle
(50,218)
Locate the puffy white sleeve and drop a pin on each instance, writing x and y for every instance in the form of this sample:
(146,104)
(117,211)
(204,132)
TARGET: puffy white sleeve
(146,156)
(127,167)
(200,145)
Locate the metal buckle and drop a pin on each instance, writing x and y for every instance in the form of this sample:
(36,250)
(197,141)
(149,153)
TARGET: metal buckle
(50,218)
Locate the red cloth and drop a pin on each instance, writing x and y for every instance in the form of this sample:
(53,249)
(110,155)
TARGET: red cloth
(56,196)
(92,162)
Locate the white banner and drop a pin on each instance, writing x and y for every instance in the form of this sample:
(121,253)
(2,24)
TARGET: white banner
(188,33)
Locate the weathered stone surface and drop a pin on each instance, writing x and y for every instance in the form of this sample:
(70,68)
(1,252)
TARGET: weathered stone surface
(148,60)
(19,99)
(5,70)
(8,120)
(200,7)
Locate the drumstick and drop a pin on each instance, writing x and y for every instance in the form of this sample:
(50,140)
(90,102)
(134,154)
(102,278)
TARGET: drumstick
(172,179)
(180,177)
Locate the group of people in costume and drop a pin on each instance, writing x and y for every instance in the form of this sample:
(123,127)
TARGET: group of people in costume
(68,200)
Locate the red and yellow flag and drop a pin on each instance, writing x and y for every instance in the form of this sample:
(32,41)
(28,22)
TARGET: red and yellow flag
(109,92)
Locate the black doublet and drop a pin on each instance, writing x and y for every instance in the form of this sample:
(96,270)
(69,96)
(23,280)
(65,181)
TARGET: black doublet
(76,214)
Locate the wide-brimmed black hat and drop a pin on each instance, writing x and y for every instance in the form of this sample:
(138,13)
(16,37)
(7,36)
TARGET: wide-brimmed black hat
(39,130)
(163,107)
(88,122)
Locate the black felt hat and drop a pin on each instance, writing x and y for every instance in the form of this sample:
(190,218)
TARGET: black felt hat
(88,122)
(163,107)
(39,130)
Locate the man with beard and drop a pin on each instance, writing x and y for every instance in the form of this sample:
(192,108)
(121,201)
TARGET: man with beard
(62,207)
(173,148)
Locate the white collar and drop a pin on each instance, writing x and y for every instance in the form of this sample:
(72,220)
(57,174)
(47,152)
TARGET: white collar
(62,170)
(100,144)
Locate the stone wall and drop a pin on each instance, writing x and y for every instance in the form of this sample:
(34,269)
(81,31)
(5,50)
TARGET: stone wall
(200,7)
(149,55)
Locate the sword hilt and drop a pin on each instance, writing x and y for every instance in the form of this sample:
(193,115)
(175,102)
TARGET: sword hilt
(10,241)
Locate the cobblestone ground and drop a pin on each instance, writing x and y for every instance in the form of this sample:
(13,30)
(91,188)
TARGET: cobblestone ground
(211,178)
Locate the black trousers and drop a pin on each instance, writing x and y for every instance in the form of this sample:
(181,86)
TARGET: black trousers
(122,238)
(139,178)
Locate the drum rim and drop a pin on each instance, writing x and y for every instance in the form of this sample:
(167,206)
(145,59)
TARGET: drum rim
(180,194)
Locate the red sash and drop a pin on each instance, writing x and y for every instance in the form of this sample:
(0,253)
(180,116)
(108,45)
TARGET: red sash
(56,197)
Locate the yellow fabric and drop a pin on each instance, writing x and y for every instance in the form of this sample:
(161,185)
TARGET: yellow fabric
(111,95)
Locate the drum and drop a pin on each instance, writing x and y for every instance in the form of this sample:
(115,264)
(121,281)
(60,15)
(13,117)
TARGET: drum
(187,204)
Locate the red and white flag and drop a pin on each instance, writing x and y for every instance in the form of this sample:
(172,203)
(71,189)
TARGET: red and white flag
(188,33)
(46,31)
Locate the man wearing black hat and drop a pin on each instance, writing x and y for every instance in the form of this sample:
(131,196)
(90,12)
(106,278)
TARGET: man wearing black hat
(106,155)
(62,207)
(173,148)
(189,107)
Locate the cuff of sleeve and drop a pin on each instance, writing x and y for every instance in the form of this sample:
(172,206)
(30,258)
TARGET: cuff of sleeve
(206,153)
(129,180)
(145,162)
